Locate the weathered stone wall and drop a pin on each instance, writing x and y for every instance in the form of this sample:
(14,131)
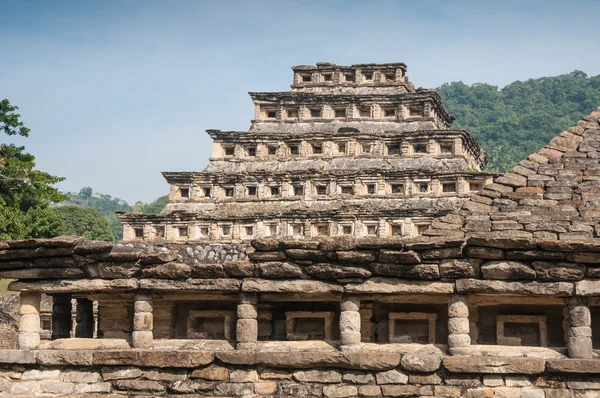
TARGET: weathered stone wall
(151,373)
(553,194)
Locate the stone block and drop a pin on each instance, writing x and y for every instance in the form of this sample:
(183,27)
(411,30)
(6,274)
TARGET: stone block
(154,358)
(458,307)
(416,271)
(340,391)
(509,365)
(77,376)
(493,380)
(91,389)
(358,378)
(423,360)
(547,271)
(142,321)
(247,330)
(507,270)
(142,339)
(17,357)
(349,337)
(579,315)
(459,340)
(369,391)
(458,325)
(243,376)
(527,288)
(36,374)
(447,392)
(507,392)
(459,268)
(406,391)
(212,372)
(268,388)
(28,341)
(421,378)
(317,376)
(391,377)
(139,385)
(56,387)
(230,389)
(591,366)
(64,357)
(246,311)
(165,375)
(119,373)
(274,270)
(399,257)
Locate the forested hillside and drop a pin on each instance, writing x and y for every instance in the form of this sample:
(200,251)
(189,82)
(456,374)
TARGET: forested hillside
(107,206)
(512,122)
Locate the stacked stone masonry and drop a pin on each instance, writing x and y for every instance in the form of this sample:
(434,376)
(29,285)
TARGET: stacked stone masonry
(350,150)
(497,298)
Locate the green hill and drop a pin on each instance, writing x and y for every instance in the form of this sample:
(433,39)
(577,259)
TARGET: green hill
(517,120)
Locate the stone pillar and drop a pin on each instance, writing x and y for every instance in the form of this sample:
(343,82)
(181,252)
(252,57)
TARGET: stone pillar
(350,321)
(62,322)
(247,324)
(29,323)
(458,322)
(84,318)
(143,322)
(579,341)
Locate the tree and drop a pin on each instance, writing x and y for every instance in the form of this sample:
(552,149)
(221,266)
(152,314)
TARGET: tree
(25,193)
(84,221)
(86,192)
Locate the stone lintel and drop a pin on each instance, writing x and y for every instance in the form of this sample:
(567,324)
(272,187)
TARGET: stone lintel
(154,358)
(75,285)
(192,284)
(561,289)
(573,365)
(290,286)
(401,286)
(517,365)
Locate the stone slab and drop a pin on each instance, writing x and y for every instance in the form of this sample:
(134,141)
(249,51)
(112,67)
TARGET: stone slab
(17,356)
(154,358)
(573,365)
(518,365)
(524,288)
(394,285)
(290,286)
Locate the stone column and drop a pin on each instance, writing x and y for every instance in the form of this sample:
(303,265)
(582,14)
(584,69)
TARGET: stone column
(143,322)
(62,322)
(84,318)
(247,324)
(579,341)
(350,321)
(458,322)
(29,323)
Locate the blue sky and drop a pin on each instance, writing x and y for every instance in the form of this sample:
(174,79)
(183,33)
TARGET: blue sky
(117,91)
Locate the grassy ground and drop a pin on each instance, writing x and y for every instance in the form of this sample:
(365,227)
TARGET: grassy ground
(4,285)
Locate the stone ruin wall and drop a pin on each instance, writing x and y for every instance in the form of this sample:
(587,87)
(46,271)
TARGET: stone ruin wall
(502,300)
(457,280)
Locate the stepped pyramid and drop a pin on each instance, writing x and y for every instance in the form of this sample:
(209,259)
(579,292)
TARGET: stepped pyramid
(349,150)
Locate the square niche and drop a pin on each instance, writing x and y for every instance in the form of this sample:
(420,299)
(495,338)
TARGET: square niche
(412,327)
(211,325)
(309,325)
(522,330)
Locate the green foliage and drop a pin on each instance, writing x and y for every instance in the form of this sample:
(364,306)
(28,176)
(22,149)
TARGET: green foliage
(25,193)
(107,206)
(153,207)
(519,119)
(84,221)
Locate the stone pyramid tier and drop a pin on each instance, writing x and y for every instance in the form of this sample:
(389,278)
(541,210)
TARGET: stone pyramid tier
(350,150)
